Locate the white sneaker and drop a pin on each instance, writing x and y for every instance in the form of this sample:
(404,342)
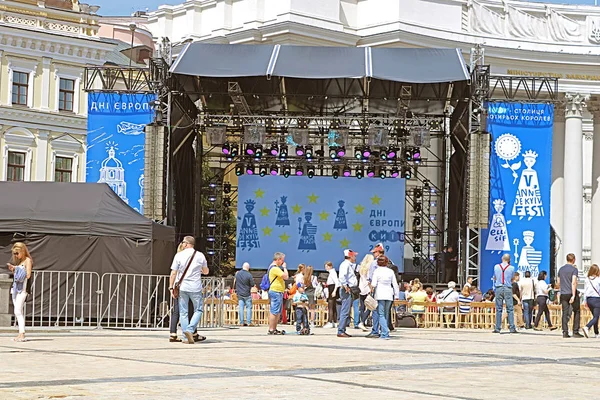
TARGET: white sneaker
(586,331)
(329,325)
(335,325)
(363,327)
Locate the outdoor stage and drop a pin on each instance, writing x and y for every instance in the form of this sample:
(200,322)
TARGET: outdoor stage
(248,364)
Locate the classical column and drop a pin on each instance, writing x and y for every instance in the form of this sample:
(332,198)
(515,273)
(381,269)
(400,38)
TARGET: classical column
(594,108)
(573,173)
(558,181)
(46,63)
(41,156)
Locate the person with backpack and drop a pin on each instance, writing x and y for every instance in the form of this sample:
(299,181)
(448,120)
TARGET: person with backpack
(274,282)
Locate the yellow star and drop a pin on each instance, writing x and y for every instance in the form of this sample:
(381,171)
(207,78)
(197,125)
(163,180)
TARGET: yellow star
(357,227)
(344,243)
(296,209)
(359,209)
(327,237)
(323,216)
(313,198)
(267,231)
(264,212)
(259,193)
(375,200)
(284,237)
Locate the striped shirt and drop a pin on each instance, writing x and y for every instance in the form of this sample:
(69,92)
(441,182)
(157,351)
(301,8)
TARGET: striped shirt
(464,304)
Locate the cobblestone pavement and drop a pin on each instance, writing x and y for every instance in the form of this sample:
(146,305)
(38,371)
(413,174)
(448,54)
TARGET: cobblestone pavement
(248,364)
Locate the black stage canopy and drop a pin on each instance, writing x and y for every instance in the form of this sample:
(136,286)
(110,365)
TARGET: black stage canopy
(307,62)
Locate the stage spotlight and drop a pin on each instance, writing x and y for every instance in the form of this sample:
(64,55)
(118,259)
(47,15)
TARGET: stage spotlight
(226,149)
(347,171)
(395,172)
(341,151)
(274,169)
(250,169)
(408,154)
(259,151)
(366,153)
(310,172)
(299,151)
(417,234)
(309,152)
(383,154)
(234,150)
(299,171)
(426,186)
(335,173)
(283,153)
(226,201)
(287,171)
(333,153)
(227,188)
(382,173)
(358,153)
(250,149)
(274,150)
(416,154)
(416,249)
(239,170)
(418,193)
(262,170)
(406,173)
(418,207)
(416,221)
(391,153)
(359,173)
(370,172)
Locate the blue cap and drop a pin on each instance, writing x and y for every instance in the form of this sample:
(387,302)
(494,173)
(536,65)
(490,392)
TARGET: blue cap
(299,285)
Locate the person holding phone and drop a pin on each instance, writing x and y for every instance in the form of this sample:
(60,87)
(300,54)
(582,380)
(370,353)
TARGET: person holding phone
(21,260)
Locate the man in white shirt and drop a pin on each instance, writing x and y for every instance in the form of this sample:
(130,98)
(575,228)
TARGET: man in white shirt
(348,280)
(527,286)
(449,295)
(186,271)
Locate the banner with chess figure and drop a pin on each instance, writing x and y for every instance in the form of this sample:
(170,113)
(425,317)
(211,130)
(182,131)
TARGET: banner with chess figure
(116,139)
(314,220)
(520,180)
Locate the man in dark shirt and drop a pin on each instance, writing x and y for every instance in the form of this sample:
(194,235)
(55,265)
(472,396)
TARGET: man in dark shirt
(569,297)
(244,282)
(516,291)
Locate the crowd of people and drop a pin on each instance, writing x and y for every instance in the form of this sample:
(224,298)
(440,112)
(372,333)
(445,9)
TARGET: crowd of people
(369,288)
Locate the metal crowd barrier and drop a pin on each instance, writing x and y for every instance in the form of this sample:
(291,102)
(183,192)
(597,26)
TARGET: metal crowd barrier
(63,298)
(84,299)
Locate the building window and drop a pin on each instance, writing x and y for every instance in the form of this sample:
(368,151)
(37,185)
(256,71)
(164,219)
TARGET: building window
(66,94)
(63,169)
(15,168)
(20,88)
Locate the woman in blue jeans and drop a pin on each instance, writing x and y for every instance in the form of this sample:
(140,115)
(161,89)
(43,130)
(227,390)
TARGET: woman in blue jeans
(386,288)
(592,298)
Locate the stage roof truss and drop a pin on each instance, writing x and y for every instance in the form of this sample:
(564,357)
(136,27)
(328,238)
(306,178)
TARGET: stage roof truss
(523,88)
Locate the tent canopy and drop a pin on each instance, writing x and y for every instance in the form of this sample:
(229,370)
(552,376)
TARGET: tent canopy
(91,209)
(392,64)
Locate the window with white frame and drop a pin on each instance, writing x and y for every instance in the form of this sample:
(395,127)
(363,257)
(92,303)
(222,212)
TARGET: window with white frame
(63,169)
(20,88)
(15,166)
(68,85)
(21,72)
(66,94)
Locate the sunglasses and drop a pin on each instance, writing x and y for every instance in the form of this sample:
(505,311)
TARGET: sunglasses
(16,254)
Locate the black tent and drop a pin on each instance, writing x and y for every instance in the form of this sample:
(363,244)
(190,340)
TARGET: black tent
(81,227)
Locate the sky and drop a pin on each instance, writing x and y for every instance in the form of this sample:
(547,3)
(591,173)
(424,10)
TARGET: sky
(127,7)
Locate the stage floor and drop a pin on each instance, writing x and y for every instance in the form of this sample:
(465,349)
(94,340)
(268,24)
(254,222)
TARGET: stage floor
(248,364)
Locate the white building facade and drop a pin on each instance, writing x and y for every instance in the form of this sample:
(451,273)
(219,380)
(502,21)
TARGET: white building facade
(519,38)
(44,48)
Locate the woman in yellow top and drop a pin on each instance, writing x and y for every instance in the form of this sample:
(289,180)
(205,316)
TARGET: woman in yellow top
(418,296)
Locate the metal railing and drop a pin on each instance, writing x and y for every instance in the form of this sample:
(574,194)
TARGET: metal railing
(113,300)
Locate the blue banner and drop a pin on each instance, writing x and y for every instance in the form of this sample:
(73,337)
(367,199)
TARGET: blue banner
(313,220)
(520,173)
(116,139)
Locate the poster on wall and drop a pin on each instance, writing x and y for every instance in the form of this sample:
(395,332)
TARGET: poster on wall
(520,179)
(314,220)
(115,143)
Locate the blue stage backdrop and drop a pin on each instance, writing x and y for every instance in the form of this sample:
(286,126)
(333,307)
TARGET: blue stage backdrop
(314,220)
(520,172)
(115,152)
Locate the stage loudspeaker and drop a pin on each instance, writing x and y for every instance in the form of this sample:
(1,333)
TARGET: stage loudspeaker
(254,134)
(154,173)
(379,136)
(478,197)
(337,137)
(297,137)
(419,137)
(216,135)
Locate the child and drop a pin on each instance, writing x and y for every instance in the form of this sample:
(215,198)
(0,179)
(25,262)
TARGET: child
(301,303)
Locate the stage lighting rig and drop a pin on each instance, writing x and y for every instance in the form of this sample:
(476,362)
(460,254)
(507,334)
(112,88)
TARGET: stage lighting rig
(300,151)
(274,150)
(366,152)
(258,151)
(283,153)
(274,170)
(416,154)
(335,172)
(418,193)
(250,169)
(333,153)
(239,170)
(234,150)
(309,152)
(395,172)
(370,172)
(250,149)
(226,149)
(262,171)
(382,173)
(341,151)
(226,202)
(287,171)
(416,221)
(359,173)
(358,153)
(347,171)
(227,188)
(392,152)
(310,172)
(406,173)
(407,154)
(299,170)
(417,234)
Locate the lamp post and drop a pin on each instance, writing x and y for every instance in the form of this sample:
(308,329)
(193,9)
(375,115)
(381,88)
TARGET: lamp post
(132,28)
